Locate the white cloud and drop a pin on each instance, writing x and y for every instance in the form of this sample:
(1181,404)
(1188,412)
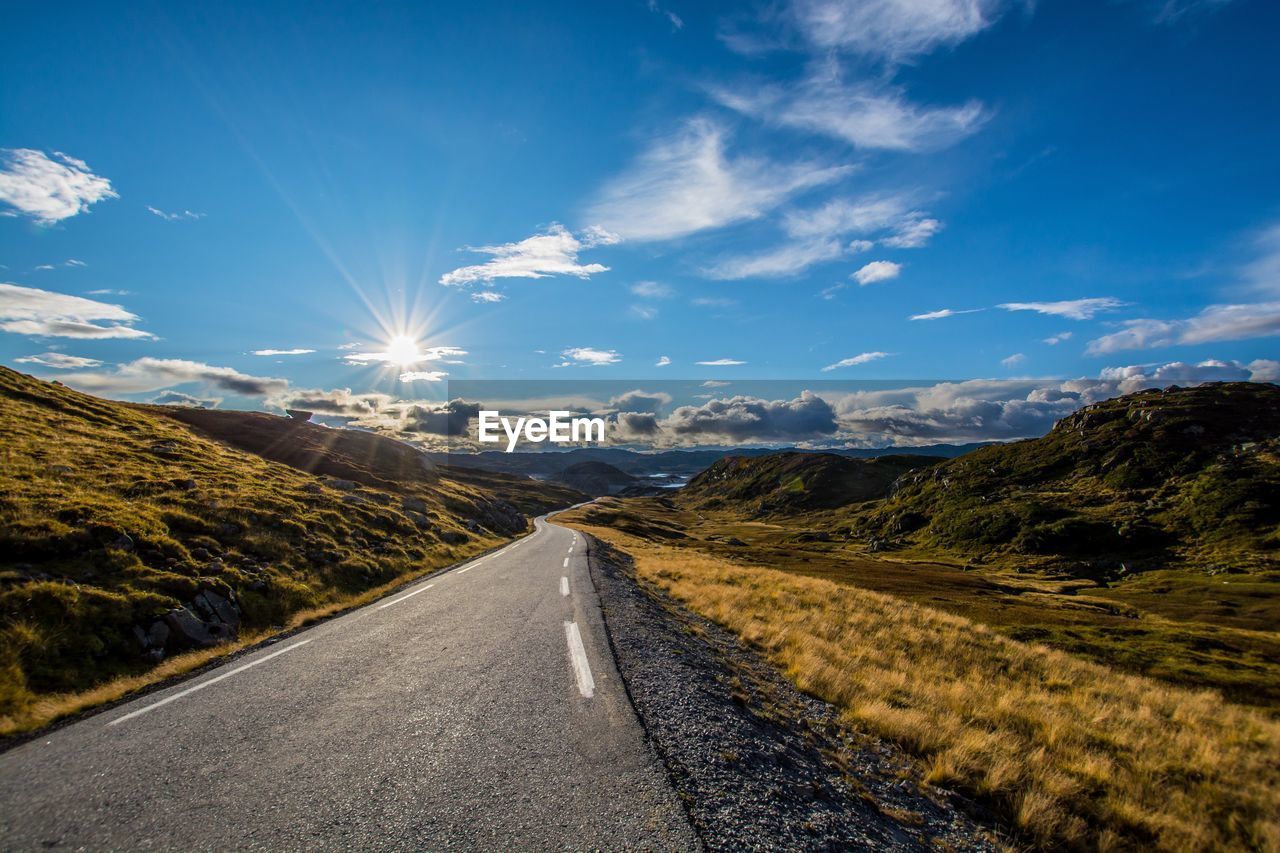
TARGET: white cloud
(914,233)
(893,30)
(819,234)
(108,291)
(489,296)
(714,302)
(49,189)
(589,356)
(686,183)
(662,361)
(554,252)
(1215,323)
(336,402)
(437,353)
(866,115)
(861,358)
(72,262)
(1183,373)
(785,260)
(172,217)
(423,376)
(943,313)
(1262,274)
(44,267)
(1013,360)
(1054,340)
(652,290)
(721,362)
(281,351)
(1072,309)
(153,374)
(30,311)
(876,271)
(643,312)
(59,361)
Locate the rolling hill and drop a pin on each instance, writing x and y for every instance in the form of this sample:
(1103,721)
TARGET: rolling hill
(1142,481)
(791,482)
(132,534)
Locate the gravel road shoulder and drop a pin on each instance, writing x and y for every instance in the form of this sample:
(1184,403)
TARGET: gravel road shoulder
(758,764)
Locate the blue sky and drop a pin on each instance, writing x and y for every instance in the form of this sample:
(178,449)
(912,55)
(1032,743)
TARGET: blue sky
(586,190)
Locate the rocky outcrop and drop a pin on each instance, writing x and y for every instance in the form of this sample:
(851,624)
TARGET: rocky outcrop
(208,619)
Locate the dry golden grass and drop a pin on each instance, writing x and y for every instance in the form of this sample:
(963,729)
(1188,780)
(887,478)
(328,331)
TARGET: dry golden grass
(50,708)
(1071,753)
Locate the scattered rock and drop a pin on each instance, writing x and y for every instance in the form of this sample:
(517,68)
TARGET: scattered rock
(340,485)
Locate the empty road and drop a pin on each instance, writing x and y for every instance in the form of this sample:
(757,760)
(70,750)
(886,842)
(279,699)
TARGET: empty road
(479,708)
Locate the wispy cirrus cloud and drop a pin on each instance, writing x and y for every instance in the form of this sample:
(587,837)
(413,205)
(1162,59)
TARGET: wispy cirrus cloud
(174,217)
(866,115)
(721,362)
(44,313)
(1072,309)
(551,253)
(892,30)
(943,313)
(1215,323)
(860,358)
(269,352)
(823,233)
(687,182)
(154,374)
(436,353)
(48,189)
(487,296)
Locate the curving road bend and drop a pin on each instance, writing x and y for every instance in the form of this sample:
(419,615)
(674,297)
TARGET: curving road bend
(479,708)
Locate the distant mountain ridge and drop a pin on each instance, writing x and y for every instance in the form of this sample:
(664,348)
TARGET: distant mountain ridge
(683,463)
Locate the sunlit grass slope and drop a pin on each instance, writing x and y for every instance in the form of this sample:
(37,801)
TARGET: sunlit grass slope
(113,515)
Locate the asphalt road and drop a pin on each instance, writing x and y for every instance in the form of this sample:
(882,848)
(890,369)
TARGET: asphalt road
(480,708)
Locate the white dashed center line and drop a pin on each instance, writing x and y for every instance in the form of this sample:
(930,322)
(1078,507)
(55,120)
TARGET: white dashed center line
(202,685)
(403,597)
(566,562)
(564,586)
(581,669)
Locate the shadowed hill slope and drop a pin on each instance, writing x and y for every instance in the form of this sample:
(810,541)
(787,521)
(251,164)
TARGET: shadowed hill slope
(594,478)
(363,457)
(127,538)
(791,482)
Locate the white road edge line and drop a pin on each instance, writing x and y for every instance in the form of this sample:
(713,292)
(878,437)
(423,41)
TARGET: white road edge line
(403,597)
(202,685)
(564,586)
(581,669)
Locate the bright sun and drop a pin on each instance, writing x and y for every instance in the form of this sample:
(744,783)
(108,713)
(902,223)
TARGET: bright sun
(403,350)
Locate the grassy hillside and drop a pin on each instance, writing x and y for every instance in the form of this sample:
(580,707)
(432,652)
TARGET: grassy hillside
(130,542)
(1150,480)
(791,482)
